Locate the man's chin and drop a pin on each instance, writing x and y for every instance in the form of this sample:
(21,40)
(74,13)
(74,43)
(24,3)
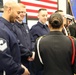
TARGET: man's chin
(12,21)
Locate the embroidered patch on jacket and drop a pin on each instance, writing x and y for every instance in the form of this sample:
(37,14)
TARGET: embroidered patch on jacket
(3,44)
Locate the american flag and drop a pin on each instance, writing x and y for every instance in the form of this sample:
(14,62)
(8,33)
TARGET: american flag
(32,6)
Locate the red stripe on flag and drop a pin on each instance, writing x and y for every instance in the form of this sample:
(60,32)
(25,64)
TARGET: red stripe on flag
(33,17)
(29,10)
(35,11)
(39,5)
(47,1)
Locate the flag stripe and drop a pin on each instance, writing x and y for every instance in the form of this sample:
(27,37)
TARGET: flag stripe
(38,5)
(53,2)
(32,17)
(40,2)
(36,8)
(36,11)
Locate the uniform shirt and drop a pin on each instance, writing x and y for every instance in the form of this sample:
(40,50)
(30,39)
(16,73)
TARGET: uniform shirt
(10,60)
(56,52)
(38,30)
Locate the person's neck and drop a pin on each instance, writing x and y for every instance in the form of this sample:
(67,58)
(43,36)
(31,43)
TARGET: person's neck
(51,29)
(19,21)
(6,17)
(42,22)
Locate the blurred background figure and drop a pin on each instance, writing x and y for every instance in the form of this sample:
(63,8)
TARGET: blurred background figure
(65,22)
(72,27)
(69,22)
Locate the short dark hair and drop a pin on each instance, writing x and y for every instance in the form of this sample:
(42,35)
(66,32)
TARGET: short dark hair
(55,20)
(42,9)
(58,11)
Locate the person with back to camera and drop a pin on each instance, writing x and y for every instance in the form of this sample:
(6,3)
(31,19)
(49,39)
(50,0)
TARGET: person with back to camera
(10,61)
(55,50)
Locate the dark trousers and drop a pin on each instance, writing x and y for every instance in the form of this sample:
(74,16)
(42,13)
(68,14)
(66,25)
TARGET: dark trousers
(34,71)
(1,72)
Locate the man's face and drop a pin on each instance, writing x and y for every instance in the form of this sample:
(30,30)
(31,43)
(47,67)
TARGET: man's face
(14,14)
(22,14)
(42,15)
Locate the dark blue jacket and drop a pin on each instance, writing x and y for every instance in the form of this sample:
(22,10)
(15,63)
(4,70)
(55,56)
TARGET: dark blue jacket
(38,30)
(23,35)
(10,60)
(22,32)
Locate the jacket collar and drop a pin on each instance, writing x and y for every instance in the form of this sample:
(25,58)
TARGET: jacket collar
(18,24)
(56,33)
(42,25)
(6,23)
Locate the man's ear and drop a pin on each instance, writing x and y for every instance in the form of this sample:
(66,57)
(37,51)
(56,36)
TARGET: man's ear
(9,9)
(63,26)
